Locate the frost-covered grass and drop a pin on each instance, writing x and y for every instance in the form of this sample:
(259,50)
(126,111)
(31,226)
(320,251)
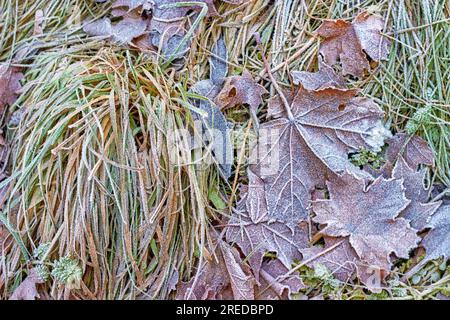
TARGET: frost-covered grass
(89,162)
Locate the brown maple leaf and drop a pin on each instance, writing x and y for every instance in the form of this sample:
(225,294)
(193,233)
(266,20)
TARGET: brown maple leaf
(326,126)
(437,241)
(273,284)
(326,77)
(27,289)
(413,149)
(339,257)
(418,212)
(9,85)
(224,277)
(256,235)
(240,90)
(368,215)
(350,42)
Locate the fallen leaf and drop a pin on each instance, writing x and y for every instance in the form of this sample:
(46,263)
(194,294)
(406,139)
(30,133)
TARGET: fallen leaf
(327,125)
(214,123)
(441,296)
(226,277)
(256,235)
(368,217)
(437,241)
(255,199)
(9,85)
(339,257)
(418,211)
(168,26)
(340,261)
(131,5)
(413,149)
(27,289)
(326,77)
(350,42)
(123,32)
(218,62)
(239,90)
(273,284)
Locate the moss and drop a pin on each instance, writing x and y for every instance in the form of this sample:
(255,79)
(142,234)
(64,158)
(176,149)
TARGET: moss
(367,157)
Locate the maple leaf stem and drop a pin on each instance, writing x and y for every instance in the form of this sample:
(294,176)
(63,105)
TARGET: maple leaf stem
(272,79)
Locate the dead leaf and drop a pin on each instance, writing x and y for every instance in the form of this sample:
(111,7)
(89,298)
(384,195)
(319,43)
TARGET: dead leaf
(368,215)
(169,24)
(326,77)
(339,257)
(257,239)
(224,277)
(350,42)
(122,32)
(418,212)
(340,261)
(218,63)
(256,235)
(239,90)
(131,5)
(27,289)
(413,149)
(274,286)
(153,24)
(328,124)
(437,241)
(9,85)
(215,123)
